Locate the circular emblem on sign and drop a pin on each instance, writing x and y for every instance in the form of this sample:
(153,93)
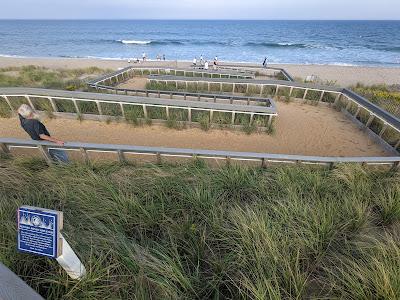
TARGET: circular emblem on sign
(36,221)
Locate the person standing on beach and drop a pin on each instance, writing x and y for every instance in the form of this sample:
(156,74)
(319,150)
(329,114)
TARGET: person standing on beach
(194,62)
(38,132)
(215,62)
(206,65)
(144,56)
(265,62)
(201,60)
(163,57)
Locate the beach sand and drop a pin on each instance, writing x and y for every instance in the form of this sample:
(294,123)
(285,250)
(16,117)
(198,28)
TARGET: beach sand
(343,75)
(300,129)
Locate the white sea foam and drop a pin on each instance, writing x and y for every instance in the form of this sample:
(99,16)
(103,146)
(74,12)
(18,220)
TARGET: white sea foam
(134,42)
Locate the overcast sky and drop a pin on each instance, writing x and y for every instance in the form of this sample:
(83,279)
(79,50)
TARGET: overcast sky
(201,9)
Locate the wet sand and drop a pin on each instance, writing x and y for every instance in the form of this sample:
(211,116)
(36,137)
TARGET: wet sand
(300,129)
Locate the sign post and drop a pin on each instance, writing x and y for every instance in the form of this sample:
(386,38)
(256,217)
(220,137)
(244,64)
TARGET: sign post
(39,232)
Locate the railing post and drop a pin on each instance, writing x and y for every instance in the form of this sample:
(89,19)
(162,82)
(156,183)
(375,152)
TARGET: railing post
(385,126)
(84,155)
(322,96)
(251,119)
(262,89)
(291,92)
(167,112)
(53,104)
(396,166)
(357,112)
(270,119)
(76,106)
(121,156)
(276,91)
(337,98)
(190,115)
(371,118)
(159,161)
(9,103)
(228,161)
(233,118)
(263,163)
(145,111)
(30,102)
(122,109)
(305,94)
(46,155)
(4,148)
(99,108)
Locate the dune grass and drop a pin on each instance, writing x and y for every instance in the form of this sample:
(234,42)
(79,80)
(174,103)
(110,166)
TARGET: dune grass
(34,76)
(387,97)
(193,232)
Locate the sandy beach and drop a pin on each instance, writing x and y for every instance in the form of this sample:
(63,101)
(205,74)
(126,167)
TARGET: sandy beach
(300,129)
(342,75)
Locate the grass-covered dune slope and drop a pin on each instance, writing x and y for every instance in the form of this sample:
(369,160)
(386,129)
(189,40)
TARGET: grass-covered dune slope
(192,232)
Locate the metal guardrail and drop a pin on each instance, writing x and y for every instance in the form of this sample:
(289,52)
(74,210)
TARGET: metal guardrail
(14,288)
(126,72)
(263,158)
(144,103)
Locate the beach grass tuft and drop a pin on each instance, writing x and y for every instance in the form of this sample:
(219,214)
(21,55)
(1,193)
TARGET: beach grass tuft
(189,231)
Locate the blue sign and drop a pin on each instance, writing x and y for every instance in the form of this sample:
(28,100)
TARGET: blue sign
(39,231)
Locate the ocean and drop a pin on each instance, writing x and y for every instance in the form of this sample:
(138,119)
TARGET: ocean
(370,43)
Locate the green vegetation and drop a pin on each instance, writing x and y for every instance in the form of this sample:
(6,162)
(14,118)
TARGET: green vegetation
(134,114)
(192,232)
(33,76)
(5,111)
(387,97)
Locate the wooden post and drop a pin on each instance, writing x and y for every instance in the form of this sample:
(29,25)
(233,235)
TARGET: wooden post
(233,118)
(211,115)
(371,118)
(322,96)
(262,89)
(121,156)
(122,109)
(53,104)
(277,89)
(385,126)
(145,111)
(45,154)
(247,88)
(158,155)
(251,119)
(233,90)
(228,161)
(167,112)
(337,98)
(305,94)
(357,112)
(270,119)
(76,106)
(263,163)
(190,115)
(99,108)
(84,155)
(396,166)
(30,102)
(4,148)
(291,91)
(9,103)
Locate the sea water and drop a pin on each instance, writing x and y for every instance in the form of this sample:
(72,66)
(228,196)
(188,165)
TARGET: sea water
(374,43)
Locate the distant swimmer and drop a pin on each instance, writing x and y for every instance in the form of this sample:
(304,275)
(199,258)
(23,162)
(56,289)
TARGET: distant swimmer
(194,62)
(206,65)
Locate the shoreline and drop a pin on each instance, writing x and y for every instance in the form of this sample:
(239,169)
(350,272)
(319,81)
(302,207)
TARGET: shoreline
(335,74)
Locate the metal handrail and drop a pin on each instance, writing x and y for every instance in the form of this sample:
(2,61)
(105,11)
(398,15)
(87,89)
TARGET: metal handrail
(263,158)
(14,288)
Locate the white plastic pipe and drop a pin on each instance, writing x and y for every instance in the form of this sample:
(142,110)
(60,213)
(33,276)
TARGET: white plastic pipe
(70,262)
